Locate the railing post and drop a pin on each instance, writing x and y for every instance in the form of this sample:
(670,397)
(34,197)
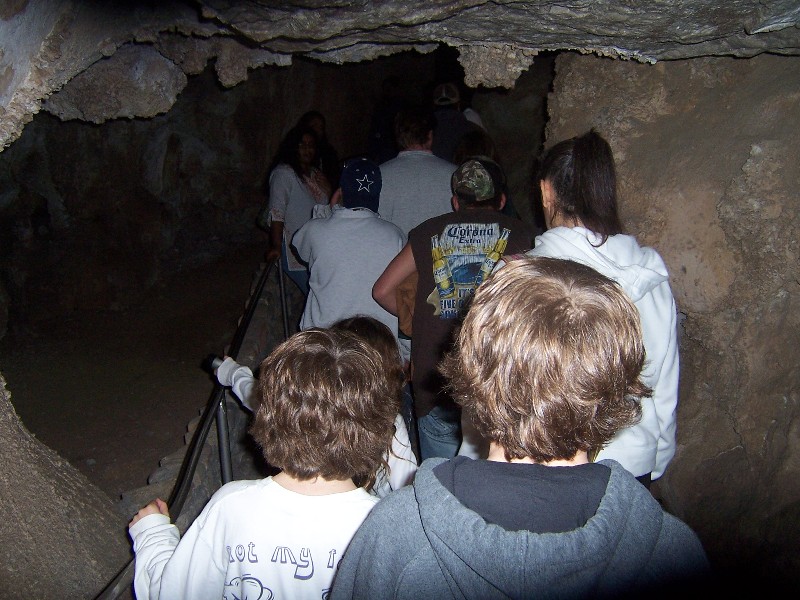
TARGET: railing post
(284,309)
(223,438)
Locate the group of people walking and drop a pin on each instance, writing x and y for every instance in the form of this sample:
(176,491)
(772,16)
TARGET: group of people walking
(533,376)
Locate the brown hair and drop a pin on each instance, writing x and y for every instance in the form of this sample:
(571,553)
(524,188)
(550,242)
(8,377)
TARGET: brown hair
(327,408)
(380,337)
(412,126)
(548,359)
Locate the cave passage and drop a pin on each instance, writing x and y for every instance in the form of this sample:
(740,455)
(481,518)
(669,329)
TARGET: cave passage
(129,247)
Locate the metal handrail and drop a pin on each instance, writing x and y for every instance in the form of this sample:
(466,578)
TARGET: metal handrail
(216,407)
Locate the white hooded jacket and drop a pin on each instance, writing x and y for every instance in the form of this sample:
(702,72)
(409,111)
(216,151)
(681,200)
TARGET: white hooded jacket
(648,446)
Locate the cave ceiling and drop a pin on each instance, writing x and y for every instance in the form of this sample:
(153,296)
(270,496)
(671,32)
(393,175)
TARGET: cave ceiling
(96,61)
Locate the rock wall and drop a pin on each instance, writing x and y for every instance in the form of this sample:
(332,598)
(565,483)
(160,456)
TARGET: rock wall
(49,42)
(515,120)
(707,163)
(71,542)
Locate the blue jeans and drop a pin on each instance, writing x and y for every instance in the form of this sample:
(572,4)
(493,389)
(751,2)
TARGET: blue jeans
(439,433)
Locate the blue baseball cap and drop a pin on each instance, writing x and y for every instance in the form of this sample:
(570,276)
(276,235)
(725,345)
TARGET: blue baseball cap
(361,184)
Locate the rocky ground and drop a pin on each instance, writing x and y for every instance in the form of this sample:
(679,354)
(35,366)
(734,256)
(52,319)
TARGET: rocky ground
(113,392)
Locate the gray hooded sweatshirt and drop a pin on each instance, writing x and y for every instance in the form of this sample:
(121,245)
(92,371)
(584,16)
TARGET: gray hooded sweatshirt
(421,542)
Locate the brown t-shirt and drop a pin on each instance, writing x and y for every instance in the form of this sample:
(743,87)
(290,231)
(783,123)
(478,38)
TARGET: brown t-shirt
(453,253)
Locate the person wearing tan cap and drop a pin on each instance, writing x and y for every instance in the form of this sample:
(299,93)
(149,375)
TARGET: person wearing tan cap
(451,123)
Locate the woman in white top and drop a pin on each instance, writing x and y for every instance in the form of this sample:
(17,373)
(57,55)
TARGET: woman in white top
(579,195)
(296,185)
(577,178)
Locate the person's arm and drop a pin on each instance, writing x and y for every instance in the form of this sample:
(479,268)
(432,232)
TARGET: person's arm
(280,184)
(240,379)
(275,240)
(167,566)
(665,391)
(302,241)
(385,289)
(154,541)
(401,460)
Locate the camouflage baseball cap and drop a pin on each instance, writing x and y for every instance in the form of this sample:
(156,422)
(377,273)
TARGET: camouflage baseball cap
(478,179)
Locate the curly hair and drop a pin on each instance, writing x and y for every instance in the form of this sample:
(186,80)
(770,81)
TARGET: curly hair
(548,359)
(380,337)
(326,408)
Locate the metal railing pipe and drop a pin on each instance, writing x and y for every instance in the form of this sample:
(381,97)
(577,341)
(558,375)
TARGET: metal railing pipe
(215,407)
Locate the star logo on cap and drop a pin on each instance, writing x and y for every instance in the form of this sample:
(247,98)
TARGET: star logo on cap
(364,183)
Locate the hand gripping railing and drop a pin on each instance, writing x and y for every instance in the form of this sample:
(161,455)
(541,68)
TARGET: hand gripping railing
(215,408)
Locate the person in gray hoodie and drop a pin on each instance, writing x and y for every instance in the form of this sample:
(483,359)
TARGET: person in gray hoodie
(548,361)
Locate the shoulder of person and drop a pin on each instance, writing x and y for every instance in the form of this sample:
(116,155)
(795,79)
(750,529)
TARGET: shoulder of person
(439,162)
(308,226)
(400,504)
(433,222)
(222,498)
(283,172)
(234,488)
(388,225)
(283,168)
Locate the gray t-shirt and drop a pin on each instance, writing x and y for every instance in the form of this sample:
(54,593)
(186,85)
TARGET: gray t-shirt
(416,187)
(346,253)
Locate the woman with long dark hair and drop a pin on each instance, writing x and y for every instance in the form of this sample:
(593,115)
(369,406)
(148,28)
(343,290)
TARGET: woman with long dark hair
(296,185)
(578,182)
(328,156)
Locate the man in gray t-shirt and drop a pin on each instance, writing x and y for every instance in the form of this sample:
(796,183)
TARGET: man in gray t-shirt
(416,184)
(348,251)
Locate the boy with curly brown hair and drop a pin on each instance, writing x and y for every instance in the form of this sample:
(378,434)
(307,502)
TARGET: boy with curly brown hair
(325,418)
